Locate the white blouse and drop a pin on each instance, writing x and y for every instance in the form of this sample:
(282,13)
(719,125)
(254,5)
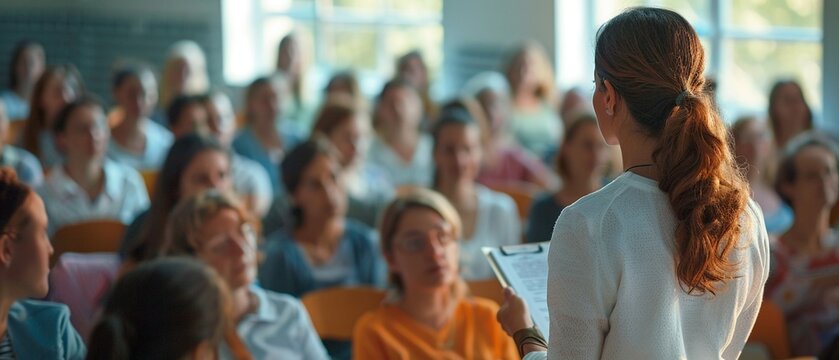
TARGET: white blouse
(496,224)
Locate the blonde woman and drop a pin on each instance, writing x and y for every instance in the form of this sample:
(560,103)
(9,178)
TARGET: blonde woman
(428,315)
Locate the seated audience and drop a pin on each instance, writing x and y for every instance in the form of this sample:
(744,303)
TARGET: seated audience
(172,308)
(805,259)
(753,149)
(574,101)
(582,163)
(789,113)
(30,329)
(250,180)
(215,229)
(291,64)
(26,66)
(505,162)
(184,73)
(188,114)
(533,120)
(26,165)
(87,186)
(489,218)
(411,68)
(137,141)
(345,83)
(266,136)
(194,164)
(345,125)
(427,315)
(399,148)
(322,248)
(57,87)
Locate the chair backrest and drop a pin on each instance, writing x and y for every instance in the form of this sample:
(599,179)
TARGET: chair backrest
(149,178)
(771,330)
(87,237)
(334,311)
(490,289)
(522,195)
(13,133)
(81,281)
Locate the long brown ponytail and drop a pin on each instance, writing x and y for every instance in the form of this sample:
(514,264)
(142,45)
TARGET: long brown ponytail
(655,61)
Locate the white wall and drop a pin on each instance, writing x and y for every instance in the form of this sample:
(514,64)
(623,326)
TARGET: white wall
(492,27)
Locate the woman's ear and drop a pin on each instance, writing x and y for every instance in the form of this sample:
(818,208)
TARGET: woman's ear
(6,250)
(610,98)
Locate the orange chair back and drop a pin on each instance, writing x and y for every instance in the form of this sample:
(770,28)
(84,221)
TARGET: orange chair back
(489,289)
(87,237)
(334,311)
(770,330)
(522,196)
(149,178)
(14,130)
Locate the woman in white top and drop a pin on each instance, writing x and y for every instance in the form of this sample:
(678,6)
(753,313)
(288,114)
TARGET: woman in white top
(137,141)
(489,218)
(669,260)
(214,228)
(399,148)
(87,186)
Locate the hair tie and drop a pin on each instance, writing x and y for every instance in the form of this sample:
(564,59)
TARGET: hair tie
(681,97)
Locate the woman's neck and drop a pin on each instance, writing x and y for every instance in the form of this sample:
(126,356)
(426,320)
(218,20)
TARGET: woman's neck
(430,307)
(6,301)
(810,226)
(403,141)
(638,150)
(129,134)
(460,192)
(88,174)
(266,133)
(525,98)
(321,232)
(243,302)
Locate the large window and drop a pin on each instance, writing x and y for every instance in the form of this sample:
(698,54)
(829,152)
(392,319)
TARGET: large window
(364,35)
(749,44)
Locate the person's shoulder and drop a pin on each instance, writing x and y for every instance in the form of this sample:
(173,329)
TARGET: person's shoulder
(374,319)
(279,302)
(158,132)
(39,311)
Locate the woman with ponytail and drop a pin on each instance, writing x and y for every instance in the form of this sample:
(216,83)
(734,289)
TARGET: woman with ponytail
(670,259)
(29,329)
(172,308)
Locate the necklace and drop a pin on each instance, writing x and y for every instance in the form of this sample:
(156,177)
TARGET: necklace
(637,166)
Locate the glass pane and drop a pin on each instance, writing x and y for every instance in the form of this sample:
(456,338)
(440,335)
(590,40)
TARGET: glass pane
(697,12)
(274,29)
(752,66)
(349,46)
(607,9)
(285,5)
(360,5)
(427,39)
(756,14)
(429,7)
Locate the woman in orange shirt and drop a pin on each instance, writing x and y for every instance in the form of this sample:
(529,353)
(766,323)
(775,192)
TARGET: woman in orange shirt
(427,315)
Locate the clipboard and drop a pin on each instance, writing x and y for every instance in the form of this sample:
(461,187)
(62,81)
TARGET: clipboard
(524,268)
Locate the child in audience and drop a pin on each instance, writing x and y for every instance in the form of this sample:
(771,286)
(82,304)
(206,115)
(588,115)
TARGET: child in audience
(399,148)
(266,136)
(789,113)
(87,186)
(30,329)
(173,308)
(184,73)
(137,141)
(250,180)
(805,259)
(427,315)
(57,87)
(26,165)
(489,218)
(323,248)
(215,229)
(195,163)
(345,125)
(753,148)
(581,163)
(505,162)
(187,115)
(533,121)
(26,66)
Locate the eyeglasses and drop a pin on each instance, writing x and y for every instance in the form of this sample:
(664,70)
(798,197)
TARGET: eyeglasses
(417,242)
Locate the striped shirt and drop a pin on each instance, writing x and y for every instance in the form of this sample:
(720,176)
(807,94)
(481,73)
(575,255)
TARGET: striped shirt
(6,350)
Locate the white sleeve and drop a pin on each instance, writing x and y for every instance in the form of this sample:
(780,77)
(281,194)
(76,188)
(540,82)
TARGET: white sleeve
(536,355)
(582,286)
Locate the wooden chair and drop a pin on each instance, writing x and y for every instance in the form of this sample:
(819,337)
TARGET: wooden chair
(149,178)
(490,289)
(770,330)
(14,131)
(522,195)
(334,311)
(87,237)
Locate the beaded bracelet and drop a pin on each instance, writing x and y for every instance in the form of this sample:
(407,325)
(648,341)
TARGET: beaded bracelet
(530,335)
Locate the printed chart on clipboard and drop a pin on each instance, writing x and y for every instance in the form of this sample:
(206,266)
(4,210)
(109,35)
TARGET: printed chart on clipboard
(525,268)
